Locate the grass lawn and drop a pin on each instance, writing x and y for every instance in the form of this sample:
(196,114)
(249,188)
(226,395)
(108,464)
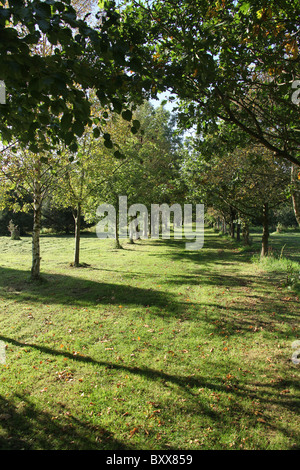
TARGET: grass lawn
(149,347)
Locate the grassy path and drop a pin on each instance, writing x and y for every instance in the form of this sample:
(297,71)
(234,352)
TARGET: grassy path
(149,347)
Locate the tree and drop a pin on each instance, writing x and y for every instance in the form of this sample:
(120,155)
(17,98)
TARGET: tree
(87,172)
(47,96)
(150,173)
(233,62)
(241,183)
(58,220)
(295,179)
(24,173)
(51,60)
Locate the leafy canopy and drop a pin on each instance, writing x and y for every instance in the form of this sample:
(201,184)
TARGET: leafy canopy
(231,61)
(48,94)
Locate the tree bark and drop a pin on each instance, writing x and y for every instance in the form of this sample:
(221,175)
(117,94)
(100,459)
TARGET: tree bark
(224,226)
(238,231)
(232,219)
(77,219)
(37,209)
(245,232)
(296,191)
(265,237)
(118,245)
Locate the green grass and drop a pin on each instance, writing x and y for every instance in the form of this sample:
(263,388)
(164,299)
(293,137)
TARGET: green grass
(149,347)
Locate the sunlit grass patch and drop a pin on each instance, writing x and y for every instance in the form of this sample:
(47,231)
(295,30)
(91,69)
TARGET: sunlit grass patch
(149,347)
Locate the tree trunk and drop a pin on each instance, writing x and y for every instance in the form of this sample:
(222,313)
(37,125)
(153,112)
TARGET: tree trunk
(224,226)
(265,237)
(245,232)
(77,219)
(130,231)
(296,191)
(238,231)
(37,209)
(232,219)
(118,245)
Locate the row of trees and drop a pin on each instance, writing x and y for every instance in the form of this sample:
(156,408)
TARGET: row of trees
(57,58)
(80,181)
(242,185)
(233,65)
(75,76)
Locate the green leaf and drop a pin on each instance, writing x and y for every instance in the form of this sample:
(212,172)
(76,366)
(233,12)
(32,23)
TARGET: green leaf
(44,25)
(43,119)
(73,147)
(118,154)
(69,138)
(127,115)
(136,123)
(43,10)
(66,121)
(108,144)
(244,8)
(96,132)
(117,105)
(78,128)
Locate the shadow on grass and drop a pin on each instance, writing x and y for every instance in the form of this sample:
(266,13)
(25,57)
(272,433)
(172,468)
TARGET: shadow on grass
(33,425)
(222,249)
(63,289)
(27,427)
(189,383)
(216,250)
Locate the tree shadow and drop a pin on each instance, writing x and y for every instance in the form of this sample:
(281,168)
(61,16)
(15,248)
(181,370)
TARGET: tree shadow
(27,427)
(220,249)
(32,428)
(64,289)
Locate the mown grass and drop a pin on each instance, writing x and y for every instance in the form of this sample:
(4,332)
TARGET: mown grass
(149,347)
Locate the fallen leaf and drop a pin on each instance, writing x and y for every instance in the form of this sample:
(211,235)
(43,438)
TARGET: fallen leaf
(133,432)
